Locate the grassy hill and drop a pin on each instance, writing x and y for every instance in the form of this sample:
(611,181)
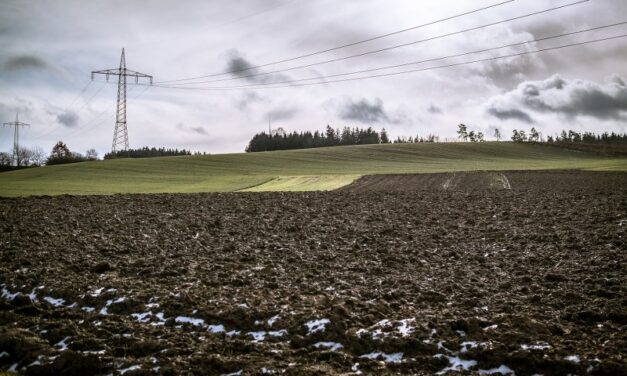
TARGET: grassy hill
(310,169)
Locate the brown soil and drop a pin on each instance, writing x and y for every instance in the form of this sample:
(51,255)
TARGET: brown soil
(532,278)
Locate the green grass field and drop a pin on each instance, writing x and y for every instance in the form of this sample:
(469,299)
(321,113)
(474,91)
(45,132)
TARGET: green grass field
(310,169)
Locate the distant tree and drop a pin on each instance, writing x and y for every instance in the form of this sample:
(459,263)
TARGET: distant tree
(497,134)
(24,157)
(516,136)
(479,137)
(61,154)
(91,154)
(39,156)
(462,132)
(472,136)
(384,137)
(534,136)
(522,135)
(5,159)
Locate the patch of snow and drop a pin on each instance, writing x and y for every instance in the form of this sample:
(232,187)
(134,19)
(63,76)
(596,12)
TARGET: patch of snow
(13,368)
(119,300)
(62,345)
(160,316)
(142,317)
(32,296)
(502,370)
(355,369)
(6,294)
(152,305)
(97,292)
(54,302)
(88,309)
(215,328)
(190,320)
(35,363)
(331,346)
(272,320)
(94,352)
(277,333)
(315,326)
(3,354)
(243,305)
(491,327)
(404,329)
(389,358)
(233,333)
(455,364)
(233,373)
(465,346)
(537,346)
(257,336)
(572,358)
(131,368)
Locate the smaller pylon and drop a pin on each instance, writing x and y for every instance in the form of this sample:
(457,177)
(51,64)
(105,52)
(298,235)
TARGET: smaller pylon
(16,138)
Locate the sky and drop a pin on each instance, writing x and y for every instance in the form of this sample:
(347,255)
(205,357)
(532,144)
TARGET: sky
(49,49)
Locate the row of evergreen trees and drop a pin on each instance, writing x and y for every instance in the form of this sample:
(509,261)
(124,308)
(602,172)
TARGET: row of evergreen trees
(590,138)
(281,140)
(147,152)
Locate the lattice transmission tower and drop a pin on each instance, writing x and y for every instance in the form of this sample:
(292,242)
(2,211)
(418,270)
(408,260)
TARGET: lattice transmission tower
(16,138)
(120,135)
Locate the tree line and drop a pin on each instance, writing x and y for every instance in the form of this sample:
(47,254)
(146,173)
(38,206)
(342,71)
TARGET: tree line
(279,139)
(146,152)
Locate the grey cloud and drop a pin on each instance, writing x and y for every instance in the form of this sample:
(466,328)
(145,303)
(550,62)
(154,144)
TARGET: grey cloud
(282,114)
(515,114)
(69,119)
(245,100)
(198,130)
(239,66)
(570,98)
(433,109)
(364,111)
(25,62)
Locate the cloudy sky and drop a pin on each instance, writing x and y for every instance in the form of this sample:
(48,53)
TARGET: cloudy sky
(50,48)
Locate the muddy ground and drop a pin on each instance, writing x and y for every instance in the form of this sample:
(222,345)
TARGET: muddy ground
(480,273)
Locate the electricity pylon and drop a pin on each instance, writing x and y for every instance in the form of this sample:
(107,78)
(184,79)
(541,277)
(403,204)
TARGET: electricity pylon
(16,138)
(120,135)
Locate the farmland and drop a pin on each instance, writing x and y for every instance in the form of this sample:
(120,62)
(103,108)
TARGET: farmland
(519,271)
(297,170)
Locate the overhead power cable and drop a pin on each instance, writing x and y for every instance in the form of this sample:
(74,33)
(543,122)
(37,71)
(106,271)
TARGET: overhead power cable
(517,44)
(413,70)
(345,45)
(366,53)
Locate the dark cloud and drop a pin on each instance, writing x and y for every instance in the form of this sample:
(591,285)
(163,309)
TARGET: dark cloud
(279,114)
(69,119)
(25,62)
(515,114)
(238,66)
(433,109)
(569,98)
(364,111)
(198,130)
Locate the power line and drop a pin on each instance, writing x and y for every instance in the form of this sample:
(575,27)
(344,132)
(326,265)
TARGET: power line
(345,45)
(415,70)
(106,110)
(76,112)
(420,61)
(394,46)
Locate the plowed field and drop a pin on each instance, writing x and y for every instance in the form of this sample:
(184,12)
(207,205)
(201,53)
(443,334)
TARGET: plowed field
(479,273)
